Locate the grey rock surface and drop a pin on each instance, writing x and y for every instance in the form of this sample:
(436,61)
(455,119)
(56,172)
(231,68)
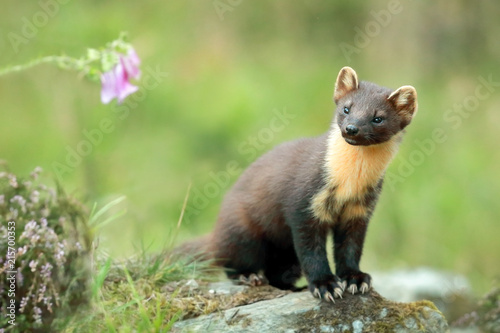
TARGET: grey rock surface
(409,285)
(300,312)
(450,292)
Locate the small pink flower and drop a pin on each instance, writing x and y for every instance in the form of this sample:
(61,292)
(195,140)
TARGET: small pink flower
(131,64)
(116,82)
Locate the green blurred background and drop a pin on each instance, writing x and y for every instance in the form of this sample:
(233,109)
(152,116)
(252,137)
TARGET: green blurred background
(231,66)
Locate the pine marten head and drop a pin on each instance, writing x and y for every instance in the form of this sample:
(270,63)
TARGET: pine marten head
(369,114)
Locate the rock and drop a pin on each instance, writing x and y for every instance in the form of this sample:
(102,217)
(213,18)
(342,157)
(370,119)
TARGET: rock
(224,288)
(300,312)
(450,292)
(409,285)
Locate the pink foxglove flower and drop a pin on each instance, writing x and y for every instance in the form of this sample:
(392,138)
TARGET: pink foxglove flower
(116,82)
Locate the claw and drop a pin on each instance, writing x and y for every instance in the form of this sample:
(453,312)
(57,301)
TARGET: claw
(243,279)
(254,280)
(316,293)
(343,285)
(364,287)
(262,279)
(329,297)
(353,289)
(338,292)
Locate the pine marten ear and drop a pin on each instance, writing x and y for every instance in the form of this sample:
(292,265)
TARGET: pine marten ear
(404,100)
(347,81)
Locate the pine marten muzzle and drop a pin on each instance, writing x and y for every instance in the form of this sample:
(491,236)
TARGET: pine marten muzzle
(276,218)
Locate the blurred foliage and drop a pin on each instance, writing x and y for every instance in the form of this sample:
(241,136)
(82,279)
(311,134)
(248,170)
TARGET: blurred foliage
(228,69)
(486,314)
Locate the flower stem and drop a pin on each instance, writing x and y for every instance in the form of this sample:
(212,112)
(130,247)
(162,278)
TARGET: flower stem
(64,62)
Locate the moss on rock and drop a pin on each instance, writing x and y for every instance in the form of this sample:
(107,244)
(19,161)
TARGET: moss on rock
(300,312)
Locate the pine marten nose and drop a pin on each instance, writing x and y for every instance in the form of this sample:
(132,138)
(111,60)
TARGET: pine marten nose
(352,130)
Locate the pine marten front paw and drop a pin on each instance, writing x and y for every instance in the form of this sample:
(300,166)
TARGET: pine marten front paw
(327,289)
(357,282)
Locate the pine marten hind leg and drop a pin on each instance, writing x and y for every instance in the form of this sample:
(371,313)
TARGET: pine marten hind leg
(243,257)
(282,267)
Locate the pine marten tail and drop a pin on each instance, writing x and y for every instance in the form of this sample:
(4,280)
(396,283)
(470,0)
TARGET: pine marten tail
(196,249)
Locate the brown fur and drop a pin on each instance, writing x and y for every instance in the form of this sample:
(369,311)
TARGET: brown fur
(276,217)
(198,248)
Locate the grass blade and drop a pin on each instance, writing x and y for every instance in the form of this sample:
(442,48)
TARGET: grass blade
(94,218)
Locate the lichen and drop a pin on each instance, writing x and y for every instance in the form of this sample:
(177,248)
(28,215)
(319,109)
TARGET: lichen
(354,313)
(193,302)
(364,314)
(239,319)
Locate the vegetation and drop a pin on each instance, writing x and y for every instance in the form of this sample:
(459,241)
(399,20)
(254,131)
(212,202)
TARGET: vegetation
(148,293)
(486,314)
(63,282)
(45,254)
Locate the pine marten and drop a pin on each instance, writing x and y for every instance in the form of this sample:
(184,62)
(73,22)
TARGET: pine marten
(276,218)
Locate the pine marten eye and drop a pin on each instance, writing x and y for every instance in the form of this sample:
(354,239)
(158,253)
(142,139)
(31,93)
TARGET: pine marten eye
(346,110)
(378,120)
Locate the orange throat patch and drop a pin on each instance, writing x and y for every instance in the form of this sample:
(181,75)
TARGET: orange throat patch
(350,171)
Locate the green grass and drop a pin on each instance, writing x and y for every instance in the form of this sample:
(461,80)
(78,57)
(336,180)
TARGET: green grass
(132,296)
(142,293)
